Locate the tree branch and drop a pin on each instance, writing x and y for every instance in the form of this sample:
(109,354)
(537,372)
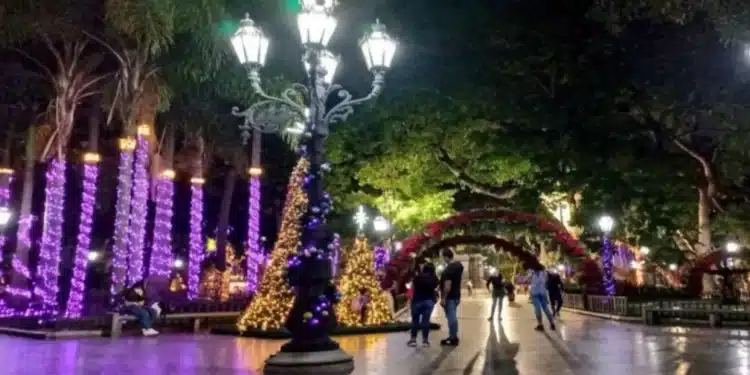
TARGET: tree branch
(497,192)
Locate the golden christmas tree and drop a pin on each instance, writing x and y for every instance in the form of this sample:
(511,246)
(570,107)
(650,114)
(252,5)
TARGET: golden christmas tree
(273,300)
(359,277)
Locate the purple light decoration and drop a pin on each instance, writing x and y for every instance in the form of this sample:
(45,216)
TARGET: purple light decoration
(4,198)
(25,223)
(48,270)
(254,253)
(138,211)
(335,254)
(161,255)
(195,256)
(88,202)
(607,266)
(381,257)
(122,215)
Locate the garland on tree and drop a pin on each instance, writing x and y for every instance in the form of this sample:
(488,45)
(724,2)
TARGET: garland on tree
(274,297)
(358,277)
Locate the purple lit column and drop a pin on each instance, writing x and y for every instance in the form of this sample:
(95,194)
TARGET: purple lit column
(382,257)
(161,254)
(122,215)
(48,270)
(254,253)
(608,266)
(83,246)
(196,236)
(335,254)
(138,207)
(6,178)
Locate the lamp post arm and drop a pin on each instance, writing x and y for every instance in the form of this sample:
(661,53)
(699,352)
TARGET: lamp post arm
(342,110)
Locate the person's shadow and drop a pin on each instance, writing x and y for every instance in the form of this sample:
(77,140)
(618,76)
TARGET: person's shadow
(500,355)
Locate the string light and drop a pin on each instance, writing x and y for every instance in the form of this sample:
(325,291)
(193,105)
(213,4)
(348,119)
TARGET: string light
(196,236)
(161,255)
(335,254)
(88,202)
(273,300)
(358,276)
(122,215)
(382,257)
(254,255)
(49,254)
(138,209)
(6,178)
(607,266)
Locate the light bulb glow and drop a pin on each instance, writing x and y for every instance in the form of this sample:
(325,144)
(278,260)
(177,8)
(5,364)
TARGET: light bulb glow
(161,253)
(380,224)
(606,223)
(673,267)
(196,239)
(82,255)
(122,216)
(732,247)
(645,250)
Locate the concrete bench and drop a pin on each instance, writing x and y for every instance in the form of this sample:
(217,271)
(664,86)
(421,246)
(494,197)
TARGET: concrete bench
(119,319)
(653,315)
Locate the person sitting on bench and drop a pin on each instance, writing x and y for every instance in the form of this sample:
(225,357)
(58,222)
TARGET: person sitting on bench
(135,305)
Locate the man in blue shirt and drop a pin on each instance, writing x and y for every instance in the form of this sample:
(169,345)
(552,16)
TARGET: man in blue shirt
(450,295)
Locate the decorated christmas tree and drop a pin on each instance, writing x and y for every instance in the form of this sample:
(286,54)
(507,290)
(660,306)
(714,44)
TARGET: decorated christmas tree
(274,298)
(359,282)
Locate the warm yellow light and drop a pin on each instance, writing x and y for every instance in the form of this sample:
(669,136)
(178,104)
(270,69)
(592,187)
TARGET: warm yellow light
(144,130)
(6,171)
(273,300)
(127,144)
(168,174)
(358,275)
(255,171)
(198,180)
(91,158)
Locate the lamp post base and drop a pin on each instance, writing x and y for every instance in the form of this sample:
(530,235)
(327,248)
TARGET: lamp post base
(331,362)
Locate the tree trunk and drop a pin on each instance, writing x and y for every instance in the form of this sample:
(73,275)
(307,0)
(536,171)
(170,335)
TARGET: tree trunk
(226,208)
(704,234)
(25,219)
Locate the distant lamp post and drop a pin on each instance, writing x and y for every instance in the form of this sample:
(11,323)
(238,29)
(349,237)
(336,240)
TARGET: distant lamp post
(381,224)
(732,247)
(606,224)
(645,250)
(179,264)
(93,256)
(673,267)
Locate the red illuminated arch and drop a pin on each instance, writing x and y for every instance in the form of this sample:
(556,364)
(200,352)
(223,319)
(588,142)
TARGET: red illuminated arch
(417,243)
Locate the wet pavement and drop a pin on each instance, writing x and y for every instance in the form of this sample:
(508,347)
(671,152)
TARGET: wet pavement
(580,346)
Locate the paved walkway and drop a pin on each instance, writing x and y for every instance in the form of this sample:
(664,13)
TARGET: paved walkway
(581,346)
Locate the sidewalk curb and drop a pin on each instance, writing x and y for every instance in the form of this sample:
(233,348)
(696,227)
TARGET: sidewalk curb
(620,318)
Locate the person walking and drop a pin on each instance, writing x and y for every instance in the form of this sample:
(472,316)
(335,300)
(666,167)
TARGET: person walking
(555,289)
(496,286)
(425,286)
(450,297)
(538,295)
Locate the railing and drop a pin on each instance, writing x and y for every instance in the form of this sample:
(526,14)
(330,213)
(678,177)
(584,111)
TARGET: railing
(616,305)
(574,301)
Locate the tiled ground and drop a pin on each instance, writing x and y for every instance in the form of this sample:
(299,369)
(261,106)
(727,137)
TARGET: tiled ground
(581,346)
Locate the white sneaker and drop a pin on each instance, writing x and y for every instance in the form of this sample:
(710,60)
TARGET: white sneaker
(150,332)
(157,309)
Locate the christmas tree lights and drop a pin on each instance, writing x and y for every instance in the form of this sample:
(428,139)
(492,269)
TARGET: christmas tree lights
(608,266)
(195,255)
(48,270)
(138,207)
(273,300)
(358,276)
(254,254)
(122,215)
(161,255)
(88,203)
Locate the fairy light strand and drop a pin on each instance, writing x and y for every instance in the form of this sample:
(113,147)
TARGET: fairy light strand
(161,256)
(254,255)
(196,237)
(48,270)
(122,216)
(138,211)
(74,307)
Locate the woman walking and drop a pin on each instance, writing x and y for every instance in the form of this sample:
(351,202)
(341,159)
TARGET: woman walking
(538,295)
(424,287)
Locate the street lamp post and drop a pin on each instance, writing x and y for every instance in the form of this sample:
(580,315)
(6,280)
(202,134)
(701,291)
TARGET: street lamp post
(606,224)
(312,316)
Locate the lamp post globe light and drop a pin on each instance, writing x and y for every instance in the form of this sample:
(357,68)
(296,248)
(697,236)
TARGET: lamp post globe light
(732,247)
(325,103)
(606,224)
(381,224)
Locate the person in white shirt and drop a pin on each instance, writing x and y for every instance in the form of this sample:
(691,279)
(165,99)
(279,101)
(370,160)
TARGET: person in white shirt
(537,279)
